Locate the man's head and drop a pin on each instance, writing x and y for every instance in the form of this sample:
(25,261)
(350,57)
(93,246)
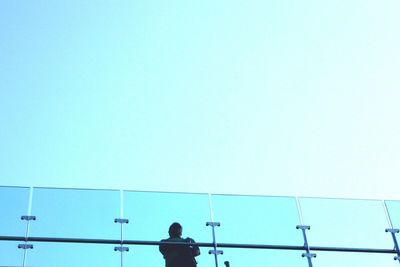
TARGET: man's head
(175,230)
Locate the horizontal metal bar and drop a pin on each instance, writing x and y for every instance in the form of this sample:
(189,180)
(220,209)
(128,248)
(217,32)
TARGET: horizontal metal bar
(200,244)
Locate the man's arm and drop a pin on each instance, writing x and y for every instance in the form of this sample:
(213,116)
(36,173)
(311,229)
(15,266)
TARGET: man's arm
(163,248)
(194,248)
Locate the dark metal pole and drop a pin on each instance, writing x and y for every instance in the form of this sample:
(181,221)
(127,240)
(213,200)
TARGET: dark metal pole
(220,245)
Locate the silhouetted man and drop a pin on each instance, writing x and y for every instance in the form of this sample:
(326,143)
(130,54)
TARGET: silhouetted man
(179,255)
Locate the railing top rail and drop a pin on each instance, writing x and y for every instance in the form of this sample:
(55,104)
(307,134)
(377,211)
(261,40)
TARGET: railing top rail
(200,244)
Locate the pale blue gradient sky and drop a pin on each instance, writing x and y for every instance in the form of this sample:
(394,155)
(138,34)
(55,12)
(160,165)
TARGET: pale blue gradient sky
(249,97)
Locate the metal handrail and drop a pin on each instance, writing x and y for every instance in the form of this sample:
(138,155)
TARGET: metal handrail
(200,244)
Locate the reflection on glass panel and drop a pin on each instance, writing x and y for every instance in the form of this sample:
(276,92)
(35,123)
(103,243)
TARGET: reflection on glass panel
(10,254)
(256,220)
(150,216)
(261,257)
(394,213)
(13,204)
(348,259)
(75,213)
(76,255)
(346,223)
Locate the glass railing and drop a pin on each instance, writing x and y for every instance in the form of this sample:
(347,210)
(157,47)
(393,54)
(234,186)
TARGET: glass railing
(62,254)
(50,227)
(346,222)
(14,203)
(256,220)
(75,213)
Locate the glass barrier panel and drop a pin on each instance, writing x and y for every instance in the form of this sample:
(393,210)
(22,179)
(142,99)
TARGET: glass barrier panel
(14,202)
(350,259)
(144,256)
(151,213)
(75,213)
(393,208)
(256,220)
(346,223)
(68,254)
(238,257)
(10,254)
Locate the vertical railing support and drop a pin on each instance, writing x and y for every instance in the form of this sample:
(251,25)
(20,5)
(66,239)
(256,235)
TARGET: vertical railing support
(308,253)
(28,218)
(214,251)
(393,232)
(121,247)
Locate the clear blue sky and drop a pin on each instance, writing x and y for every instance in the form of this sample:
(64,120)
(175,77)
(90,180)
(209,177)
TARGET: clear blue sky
(250,97)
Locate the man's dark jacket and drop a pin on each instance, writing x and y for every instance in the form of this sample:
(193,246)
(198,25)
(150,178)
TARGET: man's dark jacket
(179,255)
